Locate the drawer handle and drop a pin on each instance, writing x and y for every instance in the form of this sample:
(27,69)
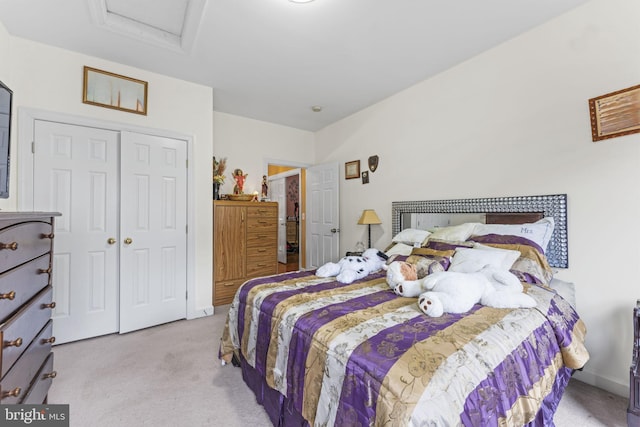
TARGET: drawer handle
(9,295)
(15,343)
(262,250)
(43,271)
(47,236)
(51,374)
(48,340)
(229,284)
(13,246)
(50,305)
(12,393)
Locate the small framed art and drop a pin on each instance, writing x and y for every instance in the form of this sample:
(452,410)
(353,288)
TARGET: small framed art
(365,177)
(352,169)
(110,90)
(615,114)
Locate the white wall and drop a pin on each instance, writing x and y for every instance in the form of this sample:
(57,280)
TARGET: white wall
(48,78)
(248,144)
(515,121)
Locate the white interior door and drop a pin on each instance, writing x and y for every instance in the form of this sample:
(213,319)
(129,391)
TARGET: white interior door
(323,219)
(153,238)
(76,174)
(279,194)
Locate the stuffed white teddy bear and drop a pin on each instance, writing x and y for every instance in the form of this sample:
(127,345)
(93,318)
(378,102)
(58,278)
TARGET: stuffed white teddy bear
(352,268)
(457,292)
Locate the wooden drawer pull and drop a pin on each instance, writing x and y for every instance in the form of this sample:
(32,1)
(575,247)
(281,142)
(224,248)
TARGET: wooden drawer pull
(12,393)
(9,295)
(52,374)
(13,246)
(15,343)
(50,305)
(43,271)
(48,340)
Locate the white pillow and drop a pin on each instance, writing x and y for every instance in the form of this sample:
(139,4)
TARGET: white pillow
(470,260)
(538,232)
(458,233)
(400,249)
(410,236)
(510,256)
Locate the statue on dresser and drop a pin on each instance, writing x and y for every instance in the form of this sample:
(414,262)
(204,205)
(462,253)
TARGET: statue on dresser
(239,177)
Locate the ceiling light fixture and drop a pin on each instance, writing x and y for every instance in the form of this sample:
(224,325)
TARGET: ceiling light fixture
(300,1)
(316,108)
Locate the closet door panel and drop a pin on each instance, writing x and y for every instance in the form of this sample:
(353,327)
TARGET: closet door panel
(76,173)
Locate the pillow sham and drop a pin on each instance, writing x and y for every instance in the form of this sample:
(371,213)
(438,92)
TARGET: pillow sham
(399,249)
(410,236)
(539,232)
(532,265)
(455,232)
(439,247)
(428,264)
(470,260)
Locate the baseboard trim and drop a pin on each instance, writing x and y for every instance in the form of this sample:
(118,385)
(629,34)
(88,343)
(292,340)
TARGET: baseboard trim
(611,386)
(200,312)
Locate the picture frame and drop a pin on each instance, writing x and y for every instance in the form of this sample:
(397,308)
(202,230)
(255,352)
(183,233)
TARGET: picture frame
(352,169)
(110,90)
(365,177)
(615,114)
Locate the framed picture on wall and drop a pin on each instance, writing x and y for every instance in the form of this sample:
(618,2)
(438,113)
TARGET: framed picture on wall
(615,114)
(110,90)
(352,169)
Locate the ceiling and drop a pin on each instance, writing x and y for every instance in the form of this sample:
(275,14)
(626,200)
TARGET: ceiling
(273,60)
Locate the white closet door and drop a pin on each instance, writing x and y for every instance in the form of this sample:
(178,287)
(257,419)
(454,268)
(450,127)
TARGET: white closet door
(153,234)
(323,220)
(76,174)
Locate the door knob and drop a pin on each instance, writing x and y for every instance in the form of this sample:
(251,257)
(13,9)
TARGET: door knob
(111,240)
(335,230)
(128,241)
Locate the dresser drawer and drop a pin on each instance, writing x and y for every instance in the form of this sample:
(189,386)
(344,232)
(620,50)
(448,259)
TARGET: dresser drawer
(262,267)
(22,374)
(21,328)
(223,292)
(41,383)
(263,252)
(24,241)
(261,225)
(18,285)
(262,239)
(262,211)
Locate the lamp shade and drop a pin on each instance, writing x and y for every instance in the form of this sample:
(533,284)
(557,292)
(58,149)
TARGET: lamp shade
(369,216)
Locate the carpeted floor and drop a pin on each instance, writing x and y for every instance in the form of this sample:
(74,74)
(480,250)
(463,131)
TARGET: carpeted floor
(169,375)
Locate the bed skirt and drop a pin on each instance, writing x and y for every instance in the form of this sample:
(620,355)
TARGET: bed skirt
(282,413)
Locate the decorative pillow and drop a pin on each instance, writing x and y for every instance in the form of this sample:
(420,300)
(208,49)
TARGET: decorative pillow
(539,232)
(410,236)
(399,249)
(531,267)
(471,260)
(455,232)
(444,248)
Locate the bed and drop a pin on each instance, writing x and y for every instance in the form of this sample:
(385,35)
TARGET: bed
(318,352)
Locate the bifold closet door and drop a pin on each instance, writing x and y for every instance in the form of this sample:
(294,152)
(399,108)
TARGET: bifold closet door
(76,174)
(153,275)
(120,246)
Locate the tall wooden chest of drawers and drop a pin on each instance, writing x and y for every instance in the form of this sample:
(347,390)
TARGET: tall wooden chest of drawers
(245,245)
(26,359)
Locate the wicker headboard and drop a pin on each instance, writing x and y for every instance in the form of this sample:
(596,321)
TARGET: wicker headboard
(501,210)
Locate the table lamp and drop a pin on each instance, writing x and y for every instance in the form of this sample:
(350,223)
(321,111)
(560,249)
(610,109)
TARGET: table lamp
(369,216)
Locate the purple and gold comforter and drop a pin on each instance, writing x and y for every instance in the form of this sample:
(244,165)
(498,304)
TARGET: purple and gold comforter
(359,355)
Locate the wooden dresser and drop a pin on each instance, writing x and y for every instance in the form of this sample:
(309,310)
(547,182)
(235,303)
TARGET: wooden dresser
(26,360)
(245,245)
